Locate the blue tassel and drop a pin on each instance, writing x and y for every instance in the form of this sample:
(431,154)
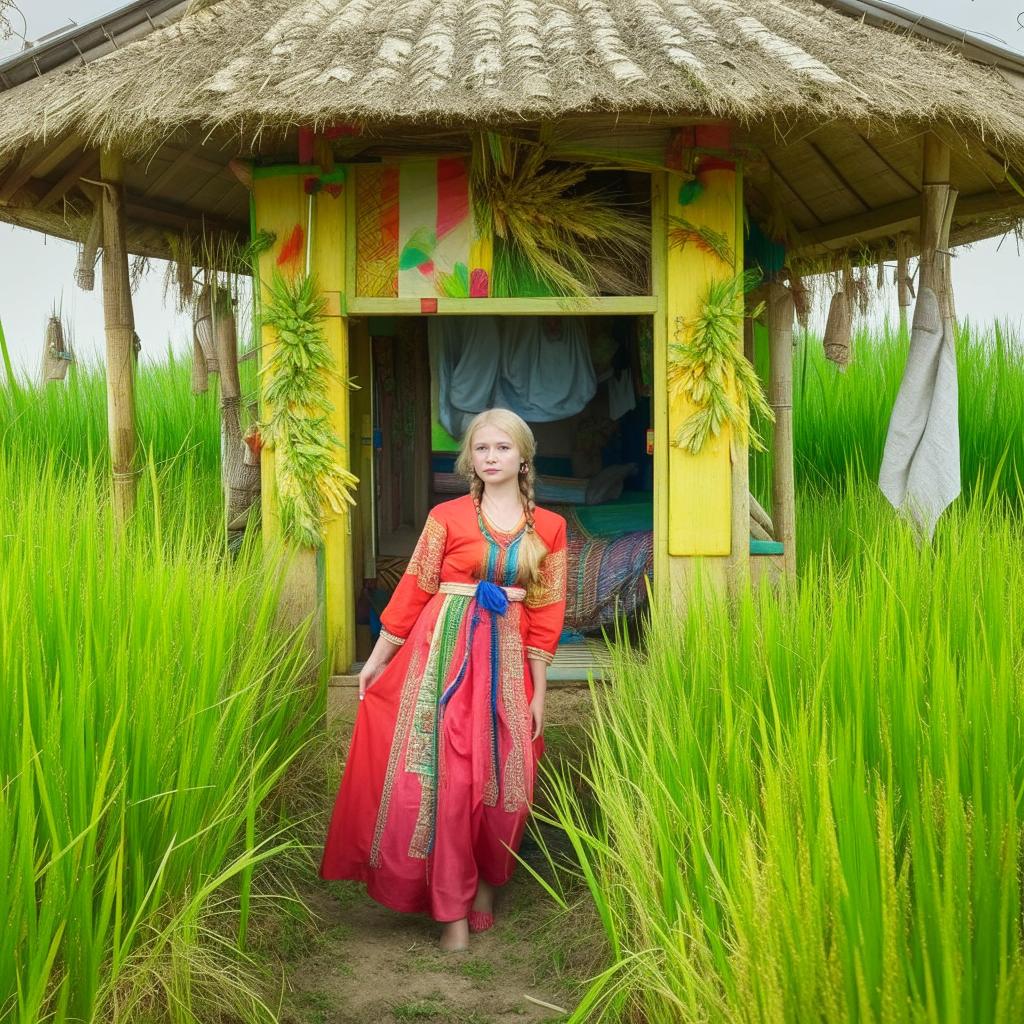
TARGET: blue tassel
(491,598)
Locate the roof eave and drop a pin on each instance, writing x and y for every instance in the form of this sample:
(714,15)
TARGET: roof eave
(88,42)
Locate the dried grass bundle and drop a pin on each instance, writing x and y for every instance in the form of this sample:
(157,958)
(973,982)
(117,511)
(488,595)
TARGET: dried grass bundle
(549,240)
(839,330)
(710,370)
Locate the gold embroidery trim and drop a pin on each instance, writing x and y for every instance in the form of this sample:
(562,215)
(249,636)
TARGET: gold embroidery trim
(425,563)
(551,585)
(536,652)
(515,791)
(406,707)
(391,638)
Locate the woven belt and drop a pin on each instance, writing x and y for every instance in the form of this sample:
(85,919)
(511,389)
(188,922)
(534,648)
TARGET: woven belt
(469,590)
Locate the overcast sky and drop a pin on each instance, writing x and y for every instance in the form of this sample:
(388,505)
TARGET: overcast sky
(37,272)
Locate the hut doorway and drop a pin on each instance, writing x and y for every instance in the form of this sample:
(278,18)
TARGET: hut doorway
(594,428)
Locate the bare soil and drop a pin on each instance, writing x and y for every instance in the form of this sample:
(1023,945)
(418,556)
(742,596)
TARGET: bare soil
(350,960)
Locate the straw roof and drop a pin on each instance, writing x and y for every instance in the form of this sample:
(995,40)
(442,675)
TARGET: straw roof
(829,110)
(254,64)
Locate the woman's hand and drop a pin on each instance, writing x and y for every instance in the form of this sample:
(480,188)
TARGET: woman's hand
(384,650)
(537,714)
(368,675)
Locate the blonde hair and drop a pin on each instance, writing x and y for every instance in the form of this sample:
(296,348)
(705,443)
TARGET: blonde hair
(531,548)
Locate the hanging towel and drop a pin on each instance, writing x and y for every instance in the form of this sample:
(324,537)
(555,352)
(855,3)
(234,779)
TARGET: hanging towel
(546,372)
(538,368)
(621,397)
(920,472)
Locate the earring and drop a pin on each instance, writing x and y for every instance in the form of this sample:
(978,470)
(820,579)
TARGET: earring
(523,467)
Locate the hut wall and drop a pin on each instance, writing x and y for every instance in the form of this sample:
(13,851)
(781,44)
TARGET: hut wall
(707,492)
(317,582)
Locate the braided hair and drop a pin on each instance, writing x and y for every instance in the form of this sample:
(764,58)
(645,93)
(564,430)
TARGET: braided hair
(531,548)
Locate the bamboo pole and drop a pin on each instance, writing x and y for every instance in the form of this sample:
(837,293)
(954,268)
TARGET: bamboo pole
(934,195)
(780,337)
(119,322)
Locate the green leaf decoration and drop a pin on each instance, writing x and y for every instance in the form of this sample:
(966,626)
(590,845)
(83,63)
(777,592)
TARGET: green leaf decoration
(456,284)
(419,249)
(310,481)
(711,371)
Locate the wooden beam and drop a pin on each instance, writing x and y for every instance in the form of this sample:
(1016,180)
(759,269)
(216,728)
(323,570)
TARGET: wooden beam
(184,218)
(82,167)
(168,173)
(888,163)
(838,174)
(780,397)
(20,173)
(119,321)
(903,215)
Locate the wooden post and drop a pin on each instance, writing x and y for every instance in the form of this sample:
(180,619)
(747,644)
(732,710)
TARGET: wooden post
(119,322)
(935,187)
(780,337)
(937,204)
(903,278)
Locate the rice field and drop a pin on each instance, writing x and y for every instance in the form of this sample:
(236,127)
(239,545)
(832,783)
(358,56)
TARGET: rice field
(810,809)
(154,719)
(806,809)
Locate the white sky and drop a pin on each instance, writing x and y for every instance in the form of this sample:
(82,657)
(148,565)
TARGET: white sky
(36,273)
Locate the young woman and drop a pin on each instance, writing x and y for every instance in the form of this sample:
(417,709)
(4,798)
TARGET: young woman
(440,772)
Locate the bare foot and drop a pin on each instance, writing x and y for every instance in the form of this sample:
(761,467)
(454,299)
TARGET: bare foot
(454,936)
(484,902)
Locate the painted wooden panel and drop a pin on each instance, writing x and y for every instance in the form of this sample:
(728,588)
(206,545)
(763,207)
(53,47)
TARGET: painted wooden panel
(329,266)
(700,486)
(376,206)
(415,233)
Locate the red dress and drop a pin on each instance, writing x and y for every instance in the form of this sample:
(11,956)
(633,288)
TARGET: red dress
(439,777)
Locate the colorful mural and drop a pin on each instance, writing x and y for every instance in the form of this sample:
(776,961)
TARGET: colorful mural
(415,236)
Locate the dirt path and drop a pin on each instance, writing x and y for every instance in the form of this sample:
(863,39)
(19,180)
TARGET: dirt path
(363,963)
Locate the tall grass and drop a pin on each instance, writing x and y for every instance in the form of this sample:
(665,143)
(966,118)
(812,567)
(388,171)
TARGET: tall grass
(840,420)
(808,806)
(152,711)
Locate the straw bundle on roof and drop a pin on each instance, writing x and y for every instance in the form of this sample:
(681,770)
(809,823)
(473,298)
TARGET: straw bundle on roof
(276,63)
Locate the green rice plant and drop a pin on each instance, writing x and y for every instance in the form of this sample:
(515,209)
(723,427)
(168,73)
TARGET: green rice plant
(808,806)
(310,482)
(153,708)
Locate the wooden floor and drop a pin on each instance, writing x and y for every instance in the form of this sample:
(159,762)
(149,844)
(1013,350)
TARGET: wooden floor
(573,665)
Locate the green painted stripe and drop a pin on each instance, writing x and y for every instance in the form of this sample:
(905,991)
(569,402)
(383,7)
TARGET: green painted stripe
(304,170)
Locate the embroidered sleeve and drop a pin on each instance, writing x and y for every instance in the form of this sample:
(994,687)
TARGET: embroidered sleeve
(425,563)
(418,584)
(545,602)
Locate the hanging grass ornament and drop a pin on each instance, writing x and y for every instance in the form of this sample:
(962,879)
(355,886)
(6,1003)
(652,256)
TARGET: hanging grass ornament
(309,479)
(710,370)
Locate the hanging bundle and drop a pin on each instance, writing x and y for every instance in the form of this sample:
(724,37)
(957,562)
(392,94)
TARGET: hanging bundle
(863,294)
(57,356)
(839,329)
(880,276)
(207,318)
(801,298)
(88,250)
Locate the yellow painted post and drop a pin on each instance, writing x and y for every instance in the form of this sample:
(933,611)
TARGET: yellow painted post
(328,263)
(702,498)
(279,204)
(317,582)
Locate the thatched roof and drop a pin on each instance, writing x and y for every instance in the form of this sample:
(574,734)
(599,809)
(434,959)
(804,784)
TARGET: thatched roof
(252,64)
(830,99)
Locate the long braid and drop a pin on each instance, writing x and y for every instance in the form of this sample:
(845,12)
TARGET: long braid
(531,548)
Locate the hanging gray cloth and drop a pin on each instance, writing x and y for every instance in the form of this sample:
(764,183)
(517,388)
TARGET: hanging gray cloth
(920,472)
(538,367)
